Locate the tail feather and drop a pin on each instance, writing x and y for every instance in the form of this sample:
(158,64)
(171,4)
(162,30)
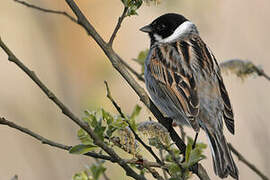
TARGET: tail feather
(222,159)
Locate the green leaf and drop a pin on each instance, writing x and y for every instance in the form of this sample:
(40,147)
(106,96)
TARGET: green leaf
(111,129)
(135,113)
(99,131)
(119,123)
(141,58)
(175,170)
(193,155)
(188,150)
(97,170)
(81,176)
(84,137)
(82,148)
(107,117)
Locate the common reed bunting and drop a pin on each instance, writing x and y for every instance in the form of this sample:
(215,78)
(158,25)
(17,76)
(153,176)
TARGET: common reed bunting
(184,81)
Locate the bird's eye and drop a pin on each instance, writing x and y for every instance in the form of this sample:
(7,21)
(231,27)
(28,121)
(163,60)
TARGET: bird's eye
(161,27)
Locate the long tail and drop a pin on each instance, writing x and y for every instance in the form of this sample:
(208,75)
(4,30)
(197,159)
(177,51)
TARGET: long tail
(221,155)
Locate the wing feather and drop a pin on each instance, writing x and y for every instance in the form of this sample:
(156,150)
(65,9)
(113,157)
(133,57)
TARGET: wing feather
(175,79)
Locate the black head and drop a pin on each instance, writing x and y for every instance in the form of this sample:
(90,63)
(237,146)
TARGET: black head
(165,25)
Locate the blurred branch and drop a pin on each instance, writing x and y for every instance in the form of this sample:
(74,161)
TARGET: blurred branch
(246,162)
(15,177)
(118,25)
(242,68)
(46,10)
(148,148)
(68,113)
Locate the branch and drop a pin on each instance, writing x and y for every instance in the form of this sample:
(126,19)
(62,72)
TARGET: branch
(120,20)
(46,141)
(242,68)
(124,117)
(118,25)
(68,113)
(115,59)
(116,62)
(120,67)
(133,71)
(43,140)
(46,10)
(246,162)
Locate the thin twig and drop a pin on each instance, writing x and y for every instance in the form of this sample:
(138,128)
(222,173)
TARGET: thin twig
(133,71)
(118,25)
(246,162)
(262,73)
(44,140)
(65,110)
(46,10)
(148,148)
(121,18)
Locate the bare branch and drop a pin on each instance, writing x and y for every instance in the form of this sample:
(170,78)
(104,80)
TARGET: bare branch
(46,10)
(118,25)
(133,71)
(68,113)
(44,140)
(246,162)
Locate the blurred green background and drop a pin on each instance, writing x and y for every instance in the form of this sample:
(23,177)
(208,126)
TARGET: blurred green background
(73,66)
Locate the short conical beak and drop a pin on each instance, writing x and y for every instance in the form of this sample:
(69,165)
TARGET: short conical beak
(146,29)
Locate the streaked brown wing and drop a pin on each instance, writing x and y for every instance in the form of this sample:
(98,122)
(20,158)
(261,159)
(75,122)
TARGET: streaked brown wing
(175,79)
(227,112)
(208,62)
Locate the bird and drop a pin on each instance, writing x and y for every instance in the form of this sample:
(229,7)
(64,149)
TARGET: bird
(184,81)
